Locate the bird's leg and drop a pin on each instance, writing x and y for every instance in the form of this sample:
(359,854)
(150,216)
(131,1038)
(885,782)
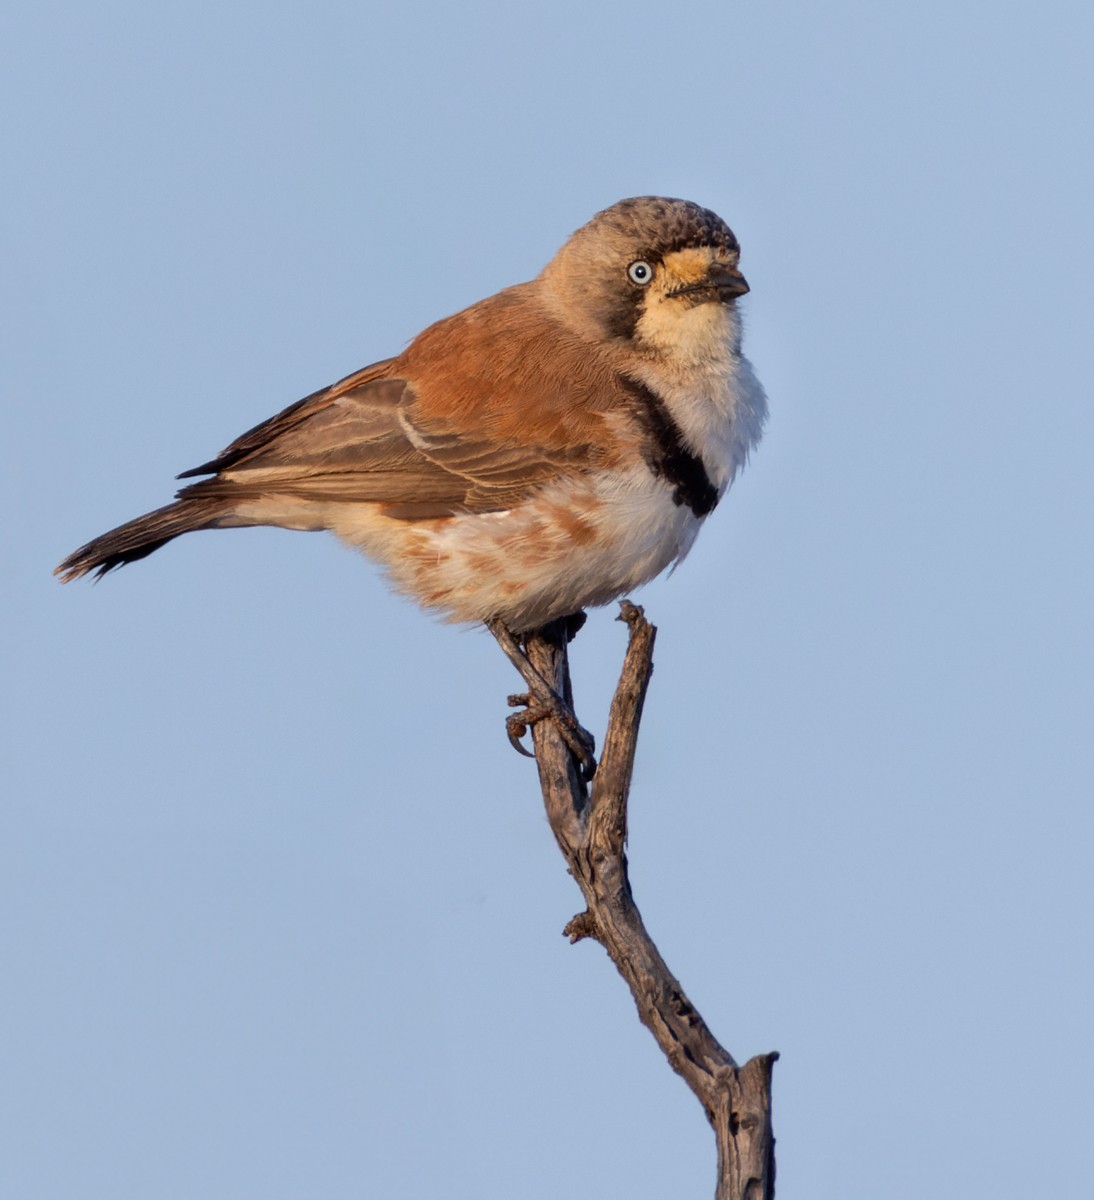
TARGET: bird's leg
(541,700)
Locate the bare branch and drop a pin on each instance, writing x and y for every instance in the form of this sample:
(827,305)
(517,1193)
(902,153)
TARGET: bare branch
(591,830)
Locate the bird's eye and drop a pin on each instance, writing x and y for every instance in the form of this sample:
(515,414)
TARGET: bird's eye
(640,272)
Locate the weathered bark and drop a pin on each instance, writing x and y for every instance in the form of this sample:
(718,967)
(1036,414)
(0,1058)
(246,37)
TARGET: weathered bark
(590,825)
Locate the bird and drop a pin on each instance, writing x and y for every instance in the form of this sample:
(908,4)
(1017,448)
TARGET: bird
(545,450)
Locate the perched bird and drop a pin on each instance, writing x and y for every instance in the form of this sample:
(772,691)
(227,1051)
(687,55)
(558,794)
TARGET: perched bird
(547,449)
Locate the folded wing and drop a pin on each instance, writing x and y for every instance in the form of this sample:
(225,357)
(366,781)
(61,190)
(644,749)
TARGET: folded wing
(367,440)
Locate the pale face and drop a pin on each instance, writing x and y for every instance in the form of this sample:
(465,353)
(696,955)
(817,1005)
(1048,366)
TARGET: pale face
(684,316)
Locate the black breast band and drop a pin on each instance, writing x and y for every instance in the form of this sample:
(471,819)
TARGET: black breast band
(665,452)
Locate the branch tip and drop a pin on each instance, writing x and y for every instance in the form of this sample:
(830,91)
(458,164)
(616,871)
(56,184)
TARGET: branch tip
(630,613)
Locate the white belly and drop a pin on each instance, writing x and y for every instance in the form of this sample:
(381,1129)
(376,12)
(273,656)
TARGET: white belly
(576,545)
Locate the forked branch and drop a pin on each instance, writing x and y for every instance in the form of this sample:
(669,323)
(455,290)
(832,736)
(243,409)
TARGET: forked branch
(590,825)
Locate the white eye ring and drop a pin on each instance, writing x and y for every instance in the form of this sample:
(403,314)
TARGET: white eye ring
(640,272)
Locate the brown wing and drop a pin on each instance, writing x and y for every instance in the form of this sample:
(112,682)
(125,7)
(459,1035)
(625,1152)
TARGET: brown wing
(453,425)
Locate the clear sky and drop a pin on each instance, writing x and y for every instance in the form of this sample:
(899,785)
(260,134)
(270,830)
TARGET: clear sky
(280,911)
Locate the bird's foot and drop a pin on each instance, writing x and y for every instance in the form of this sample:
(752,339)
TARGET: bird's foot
(581,742)
(541,701)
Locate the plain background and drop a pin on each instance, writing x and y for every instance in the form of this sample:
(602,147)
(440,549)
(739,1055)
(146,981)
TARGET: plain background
(281,914)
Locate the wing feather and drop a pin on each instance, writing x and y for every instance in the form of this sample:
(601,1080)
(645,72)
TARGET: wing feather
(475,416)
(360,446)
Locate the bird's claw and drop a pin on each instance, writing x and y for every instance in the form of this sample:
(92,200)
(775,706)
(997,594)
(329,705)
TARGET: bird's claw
(516,724)
(580,741)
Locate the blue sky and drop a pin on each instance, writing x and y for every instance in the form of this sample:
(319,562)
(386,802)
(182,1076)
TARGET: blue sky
(281,913)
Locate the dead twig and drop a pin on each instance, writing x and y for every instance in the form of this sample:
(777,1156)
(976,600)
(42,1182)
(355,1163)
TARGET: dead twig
(590,826)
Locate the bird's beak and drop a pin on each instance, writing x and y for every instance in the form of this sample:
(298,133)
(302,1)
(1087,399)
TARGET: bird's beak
(722,283)
(728,282)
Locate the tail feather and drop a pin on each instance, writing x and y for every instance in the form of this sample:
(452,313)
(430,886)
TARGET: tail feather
(139,537)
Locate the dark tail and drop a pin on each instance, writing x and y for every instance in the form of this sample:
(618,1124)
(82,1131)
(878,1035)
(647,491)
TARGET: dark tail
(140,537)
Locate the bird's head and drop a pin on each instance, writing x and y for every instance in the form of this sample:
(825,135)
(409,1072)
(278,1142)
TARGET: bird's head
(657,274)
